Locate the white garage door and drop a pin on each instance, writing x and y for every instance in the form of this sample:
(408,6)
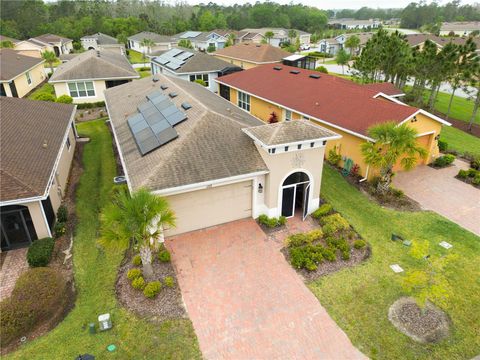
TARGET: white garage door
(217,205)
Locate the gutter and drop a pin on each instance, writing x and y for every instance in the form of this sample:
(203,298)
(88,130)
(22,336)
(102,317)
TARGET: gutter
(366,175)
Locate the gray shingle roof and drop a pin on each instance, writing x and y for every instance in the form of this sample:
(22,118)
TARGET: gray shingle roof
(51,39)
(156,38)
(13,64)
(210,145)
(95,64)
(102,39)
(25,163)
(287,132)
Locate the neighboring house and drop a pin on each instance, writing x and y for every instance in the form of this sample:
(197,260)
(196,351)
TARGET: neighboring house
(248,55)
(162,42)
(191,65)
(203,40)
(6,38)
(240,36)
(350,24)
(418,40)
(335,103)
(100,41)
(213,162)
(48,42)
(36,152)
(19,74)
(86,76)
(333,45)
(460,28)
(280,35)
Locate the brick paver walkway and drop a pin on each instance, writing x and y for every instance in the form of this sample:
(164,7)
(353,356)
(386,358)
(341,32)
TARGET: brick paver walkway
(438,190)
(246,302)
(14,265)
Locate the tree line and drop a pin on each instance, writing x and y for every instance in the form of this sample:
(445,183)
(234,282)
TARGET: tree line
(387,56)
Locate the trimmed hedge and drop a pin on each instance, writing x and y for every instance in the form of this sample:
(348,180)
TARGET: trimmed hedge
(444,160)
(272,222)
(138,283)
(40,252)
(323,210)
(132,274)
(38,296)
(91,105)
(334,223)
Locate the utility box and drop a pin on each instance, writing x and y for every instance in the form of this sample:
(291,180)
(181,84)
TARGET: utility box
(104,321)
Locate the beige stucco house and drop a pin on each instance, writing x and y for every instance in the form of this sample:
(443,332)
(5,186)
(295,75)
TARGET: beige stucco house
(86,76)
(249,55)
(36,46)
(19,74)
(36,152)
(214,162)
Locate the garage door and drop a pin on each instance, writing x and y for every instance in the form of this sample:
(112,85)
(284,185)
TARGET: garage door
(217,205)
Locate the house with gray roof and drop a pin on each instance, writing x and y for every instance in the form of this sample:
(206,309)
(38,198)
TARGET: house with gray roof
(191,65)
(36,46)
(461,28)
(100,41)
(161,42)
(281,35)
(212,161)
(86,76)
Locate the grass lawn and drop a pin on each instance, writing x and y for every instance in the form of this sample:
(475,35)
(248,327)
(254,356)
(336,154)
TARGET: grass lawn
(461,108)
(45,88)
(144,73)
(358,298)
(460,140)
(330,62)
(95,274)
(136,57)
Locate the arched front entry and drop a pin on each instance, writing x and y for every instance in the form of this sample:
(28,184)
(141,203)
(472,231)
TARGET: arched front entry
(295,194)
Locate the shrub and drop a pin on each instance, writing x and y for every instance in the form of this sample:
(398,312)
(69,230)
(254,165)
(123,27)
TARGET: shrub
(462,174)
(359,244)
(40,252)
(164,256)
(62,214)
(137,260)
(138,283)
(442,145)
(272,222)
(305,257)
(315,235)
(322,69)
(91,105)
(201,82)
(132,274)
(297,240)
(396,192)
(334,157)
(152,289)
(59,229)
(169,282)
(476,180)
(44,97)
(39,295)
(64,99)
(472,172)
(475,163)
(444,160)
(329,254)
(323,210)
(282,220)
(345,254)
(334,223)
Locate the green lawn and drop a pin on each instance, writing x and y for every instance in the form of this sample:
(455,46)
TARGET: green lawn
(460,140)
(144,73)
(136,57)
(461,108)
(45,88)
(358,298)
(95,274)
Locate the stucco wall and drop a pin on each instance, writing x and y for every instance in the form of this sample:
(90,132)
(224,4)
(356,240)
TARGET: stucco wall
(37,218)
(37,75)
(242,63)
(61,88)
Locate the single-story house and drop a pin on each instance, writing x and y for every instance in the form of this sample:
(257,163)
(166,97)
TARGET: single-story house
(19,74)
(248,55)
(36,46)
(337,104)
(213,162)
(418,40)
(86,76)
(162,42)
(333,45)
(100,41)
(203,40)
(240,36)
(191,65)
(281,35)
(348,23)
(461,28)
(36,152)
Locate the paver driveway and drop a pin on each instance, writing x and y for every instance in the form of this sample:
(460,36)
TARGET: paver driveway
(438,190)
(246,302)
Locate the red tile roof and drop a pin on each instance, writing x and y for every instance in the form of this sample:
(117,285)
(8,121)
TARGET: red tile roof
(332,99)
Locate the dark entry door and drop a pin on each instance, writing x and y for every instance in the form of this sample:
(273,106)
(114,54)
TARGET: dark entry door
(225,92)
(288,201)
(13,89)
(2,90)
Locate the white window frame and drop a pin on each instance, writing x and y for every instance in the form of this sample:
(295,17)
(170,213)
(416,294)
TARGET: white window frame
(29,78)
(77,91)
(243,101)
(200,77)
(287,113)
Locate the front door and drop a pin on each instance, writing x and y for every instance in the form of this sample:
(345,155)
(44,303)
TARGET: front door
(295,194)
(306,193)
(288,201)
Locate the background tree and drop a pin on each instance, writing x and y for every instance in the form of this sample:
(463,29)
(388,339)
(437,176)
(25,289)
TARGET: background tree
(393,144)
(352,43)
(146,45)
(292,35)
(139,220)
(6,44)
(342,58)
(268,36)
(230,40)
(50,58)
(185,43)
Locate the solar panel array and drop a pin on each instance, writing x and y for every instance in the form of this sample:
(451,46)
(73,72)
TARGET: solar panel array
(153,125)
(174,58)
(190,34)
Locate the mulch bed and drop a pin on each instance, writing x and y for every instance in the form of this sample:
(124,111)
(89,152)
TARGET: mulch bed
(429,325)
(468,180)
(432,165)
(167,305)
(90,114)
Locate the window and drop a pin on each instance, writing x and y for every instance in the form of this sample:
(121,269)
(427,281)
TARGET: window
(244,101)
(68,143)
(203,77)
(288,115)
(29,79)
(81,89)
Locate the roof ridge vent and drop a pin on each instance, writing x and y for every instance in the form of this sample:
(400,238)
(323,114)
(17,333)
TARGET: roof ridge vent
(278,68)
(314,76)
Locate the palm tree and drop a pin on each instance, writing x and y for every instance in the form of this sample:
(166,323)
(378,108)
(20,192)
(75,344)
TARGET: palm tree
(342,58)
(138,219)
(50,58)
(292,35)
(269,35)
(146,44)
(352,43)
(392,143)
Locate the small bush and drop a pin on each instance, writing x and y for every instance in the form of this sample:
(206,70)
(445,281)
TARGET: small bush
(297,240)
(396,192)
(333,157)
(164,256)
(138,283)
(40,252)
(322,69)
(169,282)
(152,289)
(475,163)
(272,222)
(62,214)
(476,180)
(359,244)
(44,97)
(442,145)
(329,255)
(282,220)
(315,235)
(134,273)
(462,174)
(64,99)
(472,173)
(444,160)
(334,223)
(91,105)
(323,210)
(59,229)
(345,254)
(137,260)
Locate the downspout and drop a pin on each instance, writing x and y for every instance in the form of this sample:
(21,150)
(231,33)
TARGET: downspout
(45,218)
(366,174)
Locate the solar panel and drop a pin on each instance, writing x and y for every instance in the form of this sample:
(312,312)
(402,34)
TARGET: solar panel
(167,135)
(172,52)
(169,110)
(154,95)
(176,118)
(162,59)
(161,105)
(190,34)
(184,56)
(173,66)
(160,126)
(155,119)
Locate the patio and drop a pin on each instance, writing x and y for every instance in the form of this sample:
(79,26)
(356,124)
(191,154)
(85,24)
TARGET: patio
(13,266)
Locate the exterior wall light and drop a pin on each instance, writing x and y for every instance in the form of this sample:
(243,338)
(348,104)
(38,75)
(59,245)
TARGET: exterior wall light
(260,188)
(437,137)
